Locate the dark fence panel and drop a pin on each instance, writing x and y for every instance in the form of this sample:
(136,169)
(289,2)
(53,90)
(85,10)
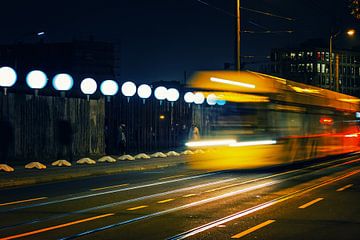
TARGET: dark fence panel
(145,130)
(34,127)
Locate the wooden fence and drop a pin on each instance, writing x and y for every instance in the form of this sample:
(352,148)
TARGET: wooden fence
(30,130)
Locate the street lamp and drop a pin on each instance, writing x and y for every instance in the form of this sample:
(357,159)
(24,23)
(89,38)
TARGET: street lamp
(36,79)
(350,33)
(88,86)
(7,77)
(63,82)
(109,88)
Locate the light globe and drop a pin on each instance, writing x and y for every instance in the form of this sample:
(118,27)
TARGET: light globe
(128,89)
(189,97)
(211,99)
(172,95)
(160,93)
(7,77)
(144,91)
(36,79)
(88,86)
(63,82)
(109,87)
(199,98)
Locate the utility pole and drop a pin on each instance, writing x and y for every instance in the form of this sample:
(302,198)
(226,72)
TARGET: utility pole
(237,48)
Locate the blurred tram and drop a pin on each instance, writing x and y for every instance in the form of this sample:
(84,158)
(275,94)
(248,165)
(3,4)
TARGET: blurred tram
(266,121)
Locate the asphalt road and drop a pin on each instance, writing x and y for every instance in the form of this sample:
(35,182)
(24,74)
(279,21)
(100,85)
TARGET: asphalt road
(317,201)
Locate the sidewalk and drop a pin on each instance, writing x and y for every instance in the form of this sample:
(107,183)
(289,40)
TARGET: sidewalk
(22,176)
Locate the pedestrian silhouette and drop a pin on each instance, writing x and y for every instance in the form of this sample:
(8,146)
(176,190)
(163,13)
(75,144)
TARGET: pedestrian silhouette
(121,139)
(194,133)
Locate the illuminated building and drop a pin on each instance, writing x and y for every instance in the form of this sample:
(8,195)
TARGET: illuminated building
(311,66)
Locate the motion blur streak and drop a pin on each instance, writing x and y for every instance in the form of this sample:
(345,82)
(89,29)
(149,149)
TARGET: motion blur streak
(253,143)
(241,84)
(194,204)
(56,227)
(248,211)
(209,143)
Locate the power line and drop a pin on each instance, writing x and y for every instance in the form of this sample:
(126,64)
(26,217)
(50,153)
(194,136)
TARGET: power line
(267,13)
(246,9)
(268,31)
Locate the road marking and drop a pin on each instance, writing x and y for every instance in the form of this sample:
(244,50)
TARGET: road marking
(248,211)
(176,176)
(253,229)
(311,203)
(22,201)
(220,188)
(135,208)
(56,227)
(166,200)
(189,195)
(346,187)
(114,186)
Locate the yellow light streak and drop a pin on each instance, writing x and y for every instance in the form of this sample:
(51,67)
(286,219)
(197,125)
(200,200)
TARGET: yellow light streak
(189,195)
(113,186)
(56,227)
(230,82)
(253,229)
(343,188)
(311,203)
(136,208)
(22,201)
(166,200)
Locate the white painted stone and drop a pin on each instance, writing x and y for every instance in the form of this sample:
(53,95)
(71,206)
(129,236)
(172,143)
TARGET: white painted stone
(187,152)
(61,163)
(107,159)
(86,161)
(141,156)
(6,168)
(172,154)
(158,155)
(199,151)
(37,165)
(126,157)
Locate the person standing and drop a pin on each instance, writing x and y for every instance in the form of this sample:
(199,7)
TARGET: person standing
(121,139)
(194,133)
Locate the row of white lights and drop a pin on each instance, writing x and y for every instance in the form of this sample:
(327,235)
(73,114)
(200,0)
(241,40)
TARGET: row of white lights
(37,80)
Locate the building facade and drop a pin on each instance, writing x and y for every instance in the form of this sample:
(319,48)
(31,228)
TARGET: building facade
(312,66)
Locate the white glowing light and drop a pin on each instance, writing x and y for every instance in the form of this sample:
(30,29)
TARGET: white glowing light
(109,87)
(220,102)
(88,86)
(253,143)
(211,99)
(223,142)
(128,89)
(36,79)
(7,77)
(144,91)
(63,82)
(189,97)
(160,93)
(225,81)
(199,98)
(172,95)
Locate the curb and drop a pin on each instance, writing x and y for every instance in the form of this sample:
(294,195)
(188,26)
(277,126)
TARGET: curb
(62,176)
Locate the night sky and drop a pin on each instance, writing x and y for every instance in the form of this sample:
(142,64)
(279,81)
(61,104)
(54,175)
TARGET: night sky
(161,39)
